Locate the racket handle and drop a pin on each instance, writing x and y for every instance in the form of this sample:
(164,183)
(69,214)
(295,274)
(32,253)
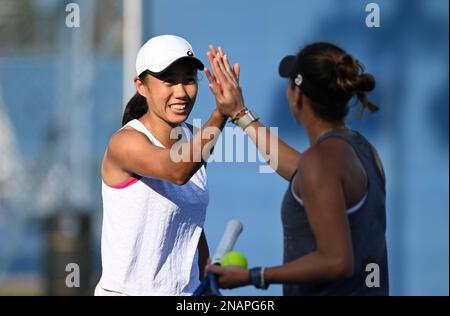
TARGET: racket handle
(232,231)
(201,289)
(213,285)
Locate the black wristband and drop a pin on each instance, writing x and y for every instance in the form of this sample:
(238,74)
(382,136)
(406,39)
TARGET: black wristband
(257,278)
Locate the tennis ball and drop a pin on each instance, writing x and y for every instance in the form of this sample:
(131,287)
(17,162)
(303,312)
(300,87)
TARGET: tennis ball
(234,258)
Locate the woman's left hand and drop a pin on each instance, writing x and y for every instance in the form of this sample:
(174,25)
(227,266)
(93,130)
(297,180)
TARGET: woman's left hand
(230,277)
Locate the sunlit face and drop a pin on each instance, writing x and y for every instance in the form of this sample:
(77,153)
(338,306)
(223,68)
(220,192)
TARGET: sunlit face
(171,96)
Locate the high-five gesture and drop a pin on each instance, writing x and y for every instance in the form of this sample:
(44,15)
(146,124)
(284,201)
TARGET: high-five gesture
(224,82)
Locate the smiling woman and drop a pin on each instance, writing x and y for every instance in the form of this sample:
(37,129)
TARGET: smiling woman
(171,93)
(153,207)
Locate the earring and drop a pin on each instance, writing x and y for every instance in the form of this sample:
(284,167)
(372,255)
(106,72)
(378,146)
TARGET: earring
(298,80)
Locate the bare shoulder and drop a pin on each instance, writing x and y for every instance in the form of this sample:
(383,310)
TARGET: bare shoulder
(320,159)
(317,171)
(337,150)
(123,139)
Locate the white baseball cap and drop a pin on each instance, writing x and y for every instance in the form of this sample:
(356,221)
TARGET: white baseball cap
(161,52)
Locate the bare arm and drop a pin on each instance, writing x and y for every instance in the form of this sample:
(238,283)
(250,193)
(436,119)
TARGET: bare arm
(281,157)
(132,152)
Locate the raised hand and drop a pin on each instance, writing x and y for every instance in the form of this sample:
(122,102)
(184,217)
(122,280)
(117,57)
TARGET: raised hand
(224,83)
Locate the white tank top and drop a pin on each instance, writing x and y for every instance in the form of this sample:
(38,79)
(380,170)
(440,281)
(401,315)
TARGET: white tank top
(150,233)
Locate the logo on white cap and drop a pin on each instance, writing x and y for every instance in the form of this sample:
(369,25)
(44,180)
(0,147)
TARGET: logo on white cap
(162,51)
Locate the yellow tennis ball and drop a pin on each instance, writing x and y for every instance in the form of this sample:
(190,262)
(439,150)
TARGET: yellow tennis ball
(234,258)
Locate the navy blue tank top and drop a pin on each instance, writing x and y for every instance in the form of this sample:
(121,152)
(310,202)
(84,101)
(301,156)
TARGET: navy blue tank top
(367,225)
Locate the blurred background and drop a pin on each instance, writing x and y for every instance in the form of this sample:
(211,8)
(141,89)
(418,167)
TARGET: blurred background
(63,89)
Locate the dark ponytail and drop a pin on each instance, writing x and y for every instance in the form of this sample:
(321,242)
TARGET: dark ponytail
(135,109)
(352,79)
(137,106)
(331,77)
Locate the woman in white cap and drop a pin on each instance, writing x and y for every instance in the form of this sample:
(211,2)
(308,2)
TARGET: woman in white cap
(333,212)
(154,184)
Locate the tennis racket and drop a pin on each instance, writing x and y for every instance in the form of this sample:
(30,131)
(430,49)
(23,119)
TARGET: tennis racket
(209,284)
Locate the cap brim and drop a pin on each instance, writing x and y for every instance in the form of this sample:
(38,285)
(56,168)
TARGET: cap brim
(196,64)
(287,66)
